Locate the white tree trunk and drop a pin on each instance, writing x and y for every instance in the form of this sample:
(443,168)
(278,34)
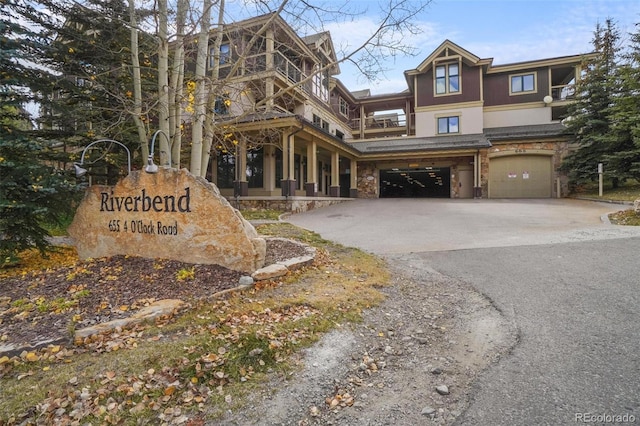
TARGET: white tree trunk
(200,91)
(163,83)
(209,123)
(137,82)
(177,82)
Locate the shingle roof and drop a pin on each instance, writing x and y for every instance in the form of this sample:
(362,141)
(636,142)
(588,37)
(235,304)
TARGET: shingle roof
(452,142)
(530,131)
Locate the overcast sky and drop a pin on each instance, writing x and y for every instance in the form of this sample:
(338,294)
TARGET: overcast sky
(506,30)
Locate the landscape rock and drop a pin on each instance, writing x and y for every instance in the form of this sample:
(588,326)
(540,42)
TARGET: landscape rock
(170,214)
(268,272)
(148,313)
(245,280)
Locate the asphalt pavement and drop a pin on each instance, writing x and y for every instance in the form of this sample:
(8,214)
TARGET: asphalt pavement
(567,279)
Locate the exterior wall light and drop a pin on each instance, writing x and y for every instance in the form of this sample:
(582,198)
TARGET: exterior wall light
(547,100)
(151,167)
(80,171)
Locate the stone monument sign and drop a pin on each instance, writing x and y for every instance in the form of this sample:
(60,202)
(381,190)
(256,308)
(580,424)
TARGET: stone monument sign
(170,214)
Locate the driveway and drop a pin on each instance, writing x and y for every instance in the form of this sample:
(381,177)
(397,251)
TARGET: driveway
(384,226)
(566,280)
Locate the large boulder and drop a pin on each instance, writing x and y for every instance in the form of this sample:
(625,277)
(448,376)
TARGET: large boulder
(171,214)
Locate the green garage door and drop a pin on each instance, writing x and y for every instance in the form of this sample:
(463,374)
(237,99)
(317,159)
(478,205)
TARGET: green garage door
(521,176)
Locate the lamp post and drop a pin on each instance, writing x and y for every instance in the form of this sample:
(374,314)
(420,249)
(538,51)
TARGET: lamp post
(150,167)
(80,171)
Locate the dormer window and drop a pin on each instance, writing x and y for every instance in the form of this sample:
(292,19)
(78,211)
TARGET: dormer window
(447,78)
(523,83)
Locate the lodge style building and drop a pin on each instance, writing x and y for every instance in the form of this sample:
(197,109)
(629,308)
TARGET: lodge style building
(463,128)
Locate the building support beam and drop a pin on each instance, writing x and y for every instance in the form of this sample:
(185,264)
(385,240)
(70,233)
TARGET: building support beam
(288,166)
(477,169)
(311,186)
(334,190)
(270,81)
(269,168)
(241,186)
(353,169)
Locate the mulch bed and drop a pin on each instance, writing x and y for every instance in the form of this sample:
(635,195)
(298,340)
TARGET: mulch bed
(42,306)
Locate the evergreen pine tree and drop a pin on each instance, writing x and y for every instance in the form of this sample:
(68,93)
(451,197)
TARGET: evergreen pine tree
(32,190)
(623,158)
(588,122)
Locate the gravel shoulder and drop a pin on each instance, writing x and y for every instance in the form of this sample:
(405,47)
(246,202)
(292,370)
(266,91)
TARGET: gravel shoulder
(412,360)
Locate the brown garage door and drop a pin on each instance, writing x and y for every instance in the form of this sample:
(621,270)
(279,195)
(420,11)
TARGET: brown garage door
(521,176)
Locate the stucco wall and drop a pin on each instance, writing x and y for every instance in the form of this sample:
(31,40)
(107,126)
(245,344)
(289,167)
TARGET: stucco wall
(517,117)
(471,120)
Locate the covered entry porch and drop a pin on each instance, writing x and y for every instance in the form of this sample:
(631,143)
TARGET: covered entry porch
(290,158)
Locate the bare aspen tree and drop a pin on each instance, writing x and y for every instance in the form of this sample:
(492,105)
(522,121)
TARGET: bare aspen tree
(209,122)
(200,91)
(163,82)
(137,81)
(177,82)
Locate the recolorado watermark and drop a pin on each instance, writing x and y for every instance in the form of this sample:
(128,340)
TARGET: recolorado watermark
(604,418)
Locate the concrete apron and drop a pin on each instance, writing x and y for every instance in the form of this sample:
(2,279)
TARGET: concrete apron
(384,226)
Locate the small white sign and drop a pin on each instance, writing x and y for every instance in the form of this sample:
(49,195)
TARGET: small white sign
(525,175)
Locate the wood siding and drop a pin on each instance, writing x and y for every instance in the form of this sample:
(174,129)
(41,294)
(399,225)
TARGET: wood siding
(470,85)
(496,88)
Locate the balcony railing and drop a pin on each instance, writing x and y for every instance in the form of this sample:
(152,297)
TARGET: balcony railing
(255,64)
(563,92)
(382,123)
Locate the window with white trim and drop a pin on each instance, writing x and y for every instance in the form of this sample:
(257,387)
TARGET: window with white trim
(344,107)
(523,83)
(320,85)
(448,125)
(447,78)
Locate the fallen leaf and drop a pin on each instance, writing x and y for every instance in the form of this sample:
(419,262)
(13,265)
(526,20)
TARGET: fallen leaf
(210,357)
(32,357)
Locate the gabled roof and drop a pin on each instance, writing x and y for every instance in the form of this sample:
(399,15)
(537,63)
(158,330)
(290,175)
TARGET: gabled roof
(275,20)
(448,45)
(364,93)
(322,42)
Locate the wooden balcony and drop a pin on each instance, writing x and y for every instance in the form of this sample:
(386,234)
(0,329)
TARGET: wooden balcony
(381,125)
(257,65)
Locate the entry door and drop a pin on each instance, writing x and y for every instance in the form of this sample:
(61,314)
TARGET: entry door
(466,183)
